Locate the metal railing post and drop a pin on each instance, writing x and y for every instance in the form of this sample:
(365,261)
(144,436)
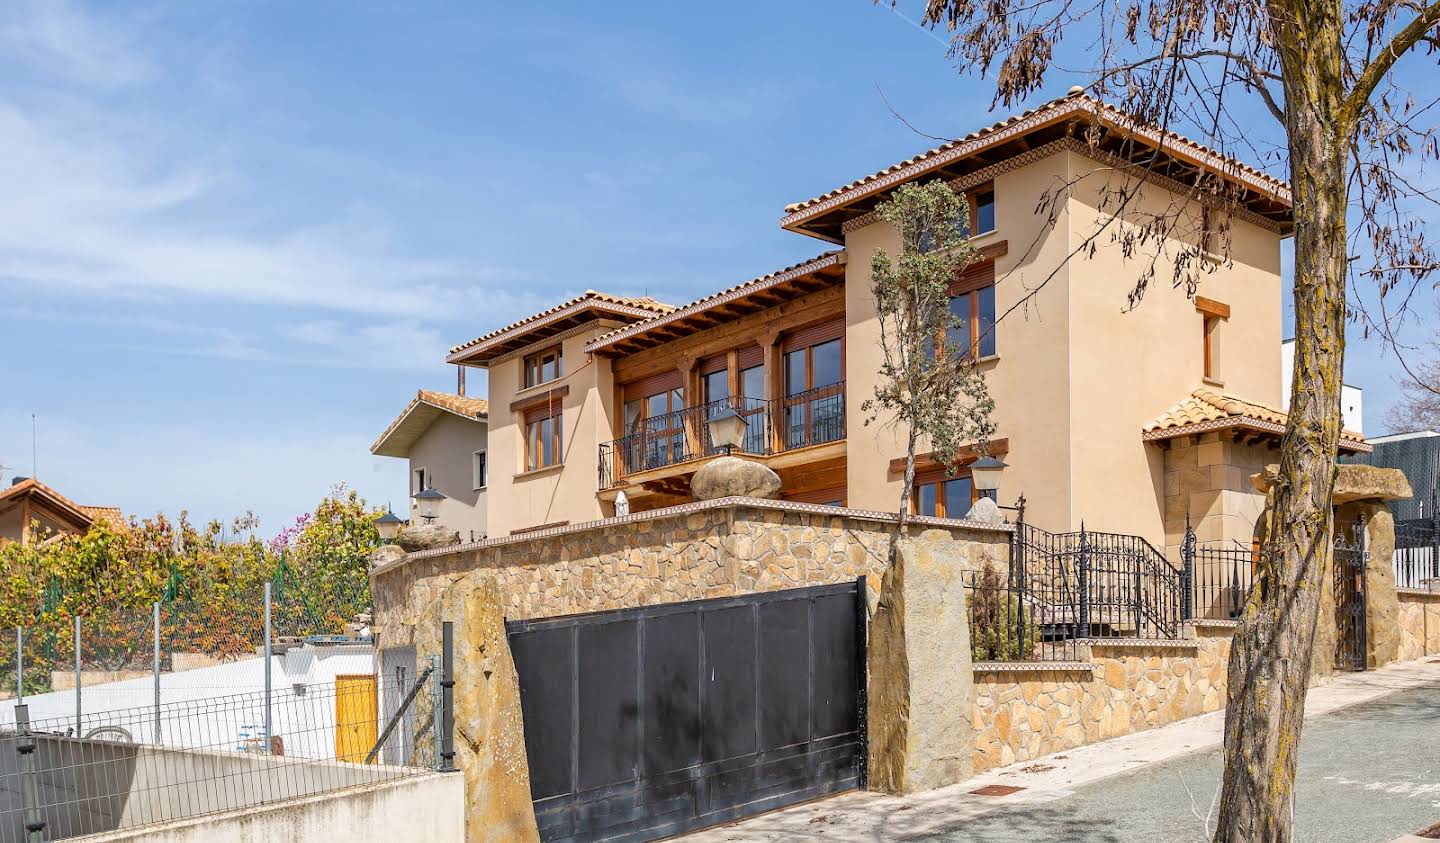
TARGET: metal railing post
(1187,573)
(435,703)
(1084,577)
(269,739)
(19,665)
(155,667)
(447,697)
(1434,533)
(29,793)
(78,731)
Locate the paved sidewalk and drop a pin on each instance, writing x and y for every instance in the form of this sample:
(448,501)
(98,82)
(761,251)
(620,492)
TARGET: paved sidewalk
(868,817)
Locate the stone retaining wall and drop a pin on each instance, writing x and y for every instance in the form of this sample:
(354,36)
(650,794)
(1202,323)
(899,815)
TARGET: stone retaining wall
(1419,622)
(1024,711)
(715,548)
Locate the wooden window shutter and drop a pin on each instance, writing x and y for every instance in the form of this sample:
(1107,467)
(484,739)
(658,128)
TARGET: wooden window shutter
(654,385)
(749,356)
(713,364)
(815,334)
(974,277)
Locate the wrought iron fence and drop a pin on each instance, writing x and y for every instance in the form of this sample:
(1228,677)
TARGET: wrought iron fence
(1221,577)
(1063,588)
(1014,620)
(1417,552)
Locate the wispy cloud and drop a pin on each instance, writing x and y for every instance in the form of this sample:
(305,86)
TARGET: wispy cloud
(53,36)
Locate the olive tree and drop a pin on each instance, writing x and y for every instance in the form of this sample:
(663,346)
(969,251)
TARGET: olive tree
(1350,138)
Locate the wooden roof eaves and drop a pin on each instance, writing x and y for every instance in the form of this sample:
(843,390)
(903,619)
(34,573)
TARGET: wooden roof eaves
(805,215)
(556,323)
(609,344)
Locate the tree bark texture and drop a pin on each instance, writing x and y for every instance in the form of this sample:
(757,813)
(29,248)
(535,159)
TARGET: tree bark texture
(1270,662)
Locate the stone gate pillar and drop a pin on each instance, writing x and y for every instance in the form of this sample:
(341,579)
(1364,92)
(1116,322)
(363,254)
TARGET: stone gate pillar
(1361,491)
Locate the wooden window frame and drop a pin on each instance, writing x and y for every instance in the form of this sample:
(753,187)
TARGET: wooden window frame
(536,363)
(938,478)
(972,200)
(970,283)
(479,469)
(534,461)
(418,477)
(1212,313)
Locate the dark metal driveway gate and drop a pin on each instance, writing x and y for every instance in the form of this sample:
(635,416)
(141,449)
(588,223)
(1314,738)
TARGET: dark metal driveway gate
(643,723)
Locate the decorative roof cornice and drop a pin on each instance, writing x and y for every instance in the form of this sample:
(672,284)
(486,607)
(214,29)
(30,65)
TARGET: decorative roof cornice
(1054,111)
(1024,159)
(640,308)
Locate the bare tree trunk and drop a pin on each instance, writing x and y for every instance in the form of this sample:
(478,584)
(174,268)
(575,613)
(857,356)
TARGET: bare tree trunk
(907,487)
(1270,662)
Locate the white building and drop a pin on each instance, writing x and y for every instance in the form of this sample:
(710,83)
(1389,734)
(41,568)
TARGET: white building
(1352,398)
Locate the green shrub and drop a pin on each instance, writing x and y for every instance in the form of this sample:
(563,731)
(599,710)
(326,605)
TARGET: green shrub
(996,621)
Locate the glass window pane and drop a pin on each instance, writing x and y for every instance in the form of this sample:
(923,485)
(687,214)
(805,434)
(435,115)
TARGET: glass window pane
(632,414)
(717,386)
(532,446)
(795,372)
(559,438)
(547,441)
(957,497)
(752,382)
(926,499)
(957,336)
(985,212)
(825,359)
(659,406)
(986,322)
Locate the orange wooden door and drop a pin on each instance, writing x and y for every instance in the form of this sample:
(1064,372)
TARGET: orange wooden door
(356,716)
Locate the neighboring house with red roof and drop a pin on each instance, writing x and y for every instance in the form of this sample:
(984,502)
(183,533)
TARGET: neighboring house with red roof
(1126,421)
(443,437)
(32,511)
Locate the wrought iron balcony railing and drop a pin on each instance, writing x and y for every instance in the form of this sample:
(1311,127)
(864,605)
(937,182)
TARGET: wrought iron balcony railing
(807,418)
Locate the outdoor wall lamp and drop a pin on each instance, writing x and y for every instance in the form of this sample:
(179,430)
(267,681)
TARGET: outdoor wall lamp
(388,525)
(985,473)
(727,429)
(428,502)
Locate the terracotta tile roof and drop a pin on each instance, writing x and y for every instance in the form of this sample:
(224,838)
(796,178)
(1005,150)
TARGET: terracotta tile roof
(88,514)
(1072,103)
(729,293)
(407,427)
(588,297)
(461,405)
(1207,409)
(110,514)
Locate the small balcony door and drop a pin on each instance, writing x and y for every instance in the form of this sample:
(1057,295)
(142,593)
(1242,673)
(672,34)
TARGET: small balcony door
(814,387)
(655,428)
(749,403)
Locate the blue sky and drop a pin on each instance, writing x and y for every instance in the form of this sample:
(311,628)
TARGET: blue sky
(237,236)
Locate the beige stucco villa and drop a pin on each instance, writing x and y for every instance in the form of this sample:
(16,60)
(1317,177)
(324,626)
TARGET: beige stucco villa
(443,437)
(1126,419)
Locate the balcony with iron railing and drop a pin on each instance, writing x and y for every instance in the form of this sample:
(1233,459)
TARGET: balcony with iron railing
(804,419)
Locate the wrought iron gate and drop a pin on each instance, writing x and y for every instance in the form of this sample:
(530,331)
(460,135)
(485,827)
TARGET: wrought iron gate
(1349,566)
(644,723)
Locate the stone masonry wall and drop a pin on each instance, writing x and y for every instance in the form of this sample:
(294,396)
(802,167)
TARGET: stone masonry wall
(1020,714)
(1419,622)
(712,549)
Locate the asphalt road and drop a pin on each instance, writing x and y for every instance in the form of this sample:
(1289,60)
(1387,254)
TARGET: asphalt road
(1367,773)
